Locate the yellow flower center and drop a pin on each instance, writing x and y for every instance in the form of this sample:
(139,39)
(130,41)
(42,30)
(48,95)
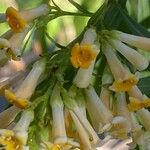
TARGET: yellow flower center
(15,21)
(18,102)
(124,85)
(82,55)
(136,104)
(8,141)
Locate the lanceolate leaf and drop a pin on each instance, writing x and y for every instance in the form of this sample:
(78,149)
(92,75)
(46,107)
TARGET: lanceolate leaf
(144,85)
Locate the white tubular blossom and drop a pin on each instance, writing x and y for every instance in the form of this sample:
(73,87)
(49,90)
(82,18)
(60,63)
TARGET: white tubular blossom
(122,108)
(16,40)
(133,40)
(31,14)
(26,89)
(115,65)
(81,131)
(135,92)
(82,79)
(59,131)
(24,122)
(144,116)
(92,134)
(105,96)
(137,60)
(89,36)
(104,114)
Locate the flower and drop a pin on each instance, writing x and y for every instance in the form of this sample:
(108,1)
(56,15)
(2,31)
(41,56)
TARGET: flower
(72,104)
(134,57)
(16,139)
(122,107)
(31,14)
(143,114)
(133,40)
(125,84)
(18,20)
(136,104)
(98,112)
(9,141)
(144,117)
(59,131)
(14,19)
(84,56)
(124,80)
(84,137)
(21,96)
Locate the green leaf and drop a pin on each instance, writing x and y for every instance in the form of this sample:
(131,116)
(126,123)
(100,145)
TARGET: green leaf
(132,26)
(144,85)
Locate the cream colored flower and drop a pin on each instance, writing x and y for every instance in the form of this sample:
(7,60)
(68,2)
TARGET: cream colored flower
(85,54)
(124,80)
(21,96)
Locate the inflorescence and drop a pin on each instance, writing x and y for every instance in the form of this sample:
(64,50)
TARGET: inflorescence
(55,117)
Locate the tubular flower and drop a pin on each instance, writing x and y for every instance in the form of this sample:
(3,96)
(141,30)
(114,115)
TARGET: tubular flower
(72,104)
(133,40)
(98,112)
(21,96)
(16,139)
(122,108)
(143,114)
(124,80)
(134,57)
(136,104)
(8,140)
(125,84)
(14,19)
(18,20)
(84,56)
(59,131)
(84,137)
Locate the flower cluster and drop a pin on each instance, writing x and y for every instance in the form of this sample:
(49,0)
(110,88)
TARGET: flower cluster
(47,114)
